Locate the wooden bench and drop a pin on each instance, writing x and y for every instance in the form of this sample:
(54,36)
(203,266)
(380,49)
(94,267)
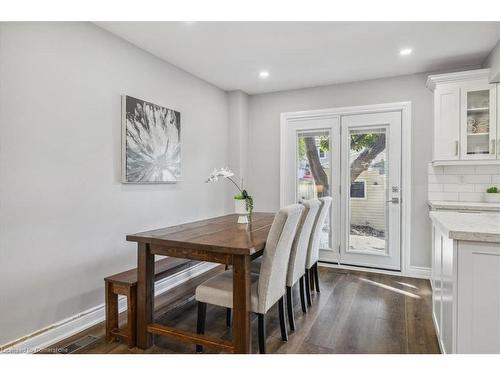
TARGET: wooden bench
(125,283)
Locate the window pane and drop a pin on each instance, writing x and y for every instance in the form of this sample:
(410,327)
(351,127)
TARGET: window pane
(358,189)
(313,172)
(367,203)
(478,122)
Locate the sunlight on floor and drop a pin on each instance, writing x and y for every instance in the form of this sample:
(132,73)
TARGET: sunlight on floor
(406,284)
(390,288)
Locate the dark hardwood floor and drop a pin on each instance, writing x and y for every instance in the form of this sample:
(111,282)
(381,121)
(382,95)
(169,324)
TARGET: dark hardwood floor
(356,312)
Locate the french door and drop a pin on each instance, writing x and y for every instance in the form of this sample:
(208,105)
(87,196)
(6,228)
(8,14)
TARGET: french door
(355,159)
(371,174)
(311,169)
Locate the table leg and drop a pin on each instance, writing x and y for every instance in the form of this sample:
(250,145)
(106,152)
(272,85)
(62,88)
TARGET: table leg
(242,336)
(145,293)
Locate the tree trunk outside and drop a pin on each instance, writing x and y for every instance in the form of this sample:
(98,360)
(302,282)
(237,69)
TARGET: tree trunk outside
(358,166)
(319,175)
(363,161)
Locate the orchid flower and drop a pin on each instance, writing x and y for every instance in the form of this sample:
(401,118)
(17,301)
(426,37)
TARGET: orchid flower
(227,173)
(223,172)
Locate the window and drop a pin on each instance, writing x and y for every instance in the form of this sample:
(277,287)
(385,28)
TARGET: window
(358,189)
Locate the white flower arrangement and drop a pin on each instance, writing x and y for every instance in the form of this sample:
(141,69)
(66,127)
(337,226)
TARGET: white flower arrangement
(223,172)
(242,193)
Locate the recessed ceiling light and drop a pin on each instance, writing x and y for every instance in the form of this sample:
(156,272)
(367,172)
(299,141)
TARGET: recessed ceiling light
(405,51)
(264,74)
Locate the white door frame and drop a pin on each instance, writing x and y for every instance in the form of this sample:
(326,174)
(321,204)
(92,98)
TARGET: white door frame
(405,108)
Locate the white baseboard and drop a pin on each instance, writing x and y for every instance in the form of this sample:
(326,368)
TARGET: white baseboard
(63,329)
(416,272)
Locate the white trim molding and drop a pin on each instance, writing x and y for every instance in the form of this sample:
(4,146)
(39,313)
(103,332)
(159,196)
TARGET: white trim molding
(418,272)
(415,272)
(68,327)
(432,80)
(406,177)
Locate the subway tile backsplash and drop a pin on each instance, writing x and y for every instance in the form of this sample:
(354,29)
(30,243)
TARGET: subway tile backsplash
(461,183)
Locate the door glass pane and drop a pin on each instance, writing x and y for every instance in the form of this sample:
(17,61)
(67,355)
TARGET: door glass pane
(313,172)
(368,192)
(478,122)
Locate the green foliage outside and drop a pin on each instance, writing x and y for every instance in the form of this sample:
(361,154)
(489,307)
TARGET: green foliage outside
(361,141)
(492,189)
(358,142)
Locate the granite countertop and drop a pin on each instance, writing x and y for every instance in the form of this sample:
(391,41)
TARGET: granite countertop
(465,226)
(464,206)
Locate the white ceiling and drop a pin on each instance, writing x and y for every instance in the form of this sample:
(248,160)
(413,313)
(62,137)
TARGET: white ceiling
(304,54)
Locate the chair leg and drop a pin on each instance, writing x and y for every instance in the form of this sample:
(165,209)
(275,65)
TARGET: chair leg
(316,277)
(302,295)
(262,333)
(311,276)
(131,317)
(281,308)
(308,287)
(289,307)
(200,328)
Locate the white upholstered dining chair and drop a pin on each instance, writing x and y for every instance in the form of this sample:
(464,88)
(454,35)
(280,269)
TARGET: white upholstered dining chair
(297,263)
(268,287)
(312,276)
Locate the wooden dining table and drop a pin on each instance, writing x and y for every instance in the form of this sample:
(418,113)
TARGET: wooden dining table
(219,240)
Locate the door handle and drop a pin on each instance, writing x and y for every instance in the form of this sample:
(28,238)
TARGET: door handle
(394,200)
(456,148)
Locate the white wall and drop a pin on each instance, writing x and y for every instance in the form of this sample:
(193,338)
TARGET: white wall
(63,212)
(264,144)
(493,62)
(238,134)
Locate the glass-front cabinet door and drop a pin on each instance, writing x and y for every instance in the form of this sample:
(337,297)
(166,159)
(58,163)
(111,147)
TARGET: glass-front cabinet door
(478,122)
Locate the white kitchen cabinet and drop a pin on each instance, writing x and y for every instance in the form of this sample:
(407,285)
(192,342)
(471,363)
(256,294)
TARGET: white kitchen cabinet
(444,287)
(448,294)
(436,280)
(465,118)
(465,290)
(446,123)
(478,299)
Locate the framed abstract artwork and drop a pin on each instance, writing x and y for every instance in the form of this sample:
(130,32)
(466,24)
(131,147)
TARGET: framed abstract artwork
(151,148)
